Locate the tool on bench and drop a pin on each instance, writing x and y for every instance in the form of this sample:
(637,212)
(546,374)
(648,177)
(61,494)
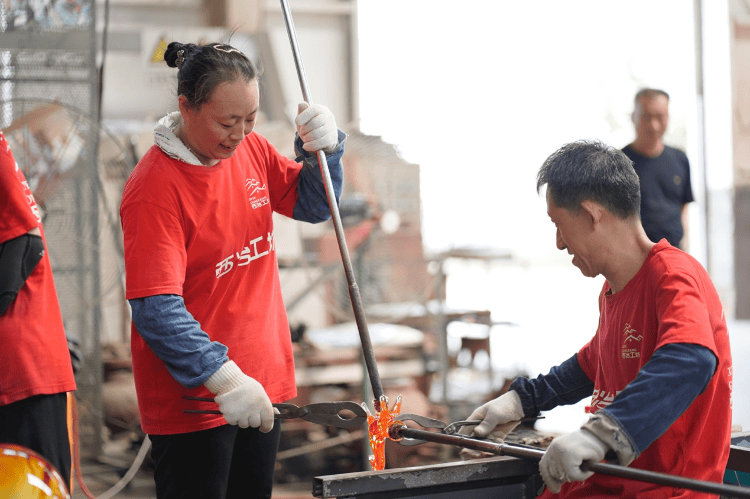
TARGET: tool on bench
(324,413)
(445,428)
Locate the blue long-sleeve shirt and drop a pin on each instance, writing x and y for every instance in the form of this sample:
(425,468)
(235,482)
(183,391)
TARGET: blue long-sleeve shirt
(312,205)
(171,331)
(663,389)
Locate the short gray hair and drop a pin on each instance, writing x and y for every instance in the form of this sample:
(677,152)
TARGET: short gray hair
(591,169)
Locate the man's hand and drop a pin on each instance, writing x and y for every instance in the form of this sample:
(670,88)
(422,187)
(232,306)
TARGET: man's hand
(316,127)
(498,417)
(242,400)
(562,461)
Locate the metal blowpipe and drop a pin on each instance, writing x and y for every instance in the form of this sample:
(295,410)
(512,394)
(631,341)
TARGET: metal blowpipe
(359,315)
(399,431)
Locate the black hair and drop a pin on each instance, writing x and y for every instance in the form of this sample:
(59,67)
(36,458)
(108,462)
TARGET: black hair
(591,169)
(202,67)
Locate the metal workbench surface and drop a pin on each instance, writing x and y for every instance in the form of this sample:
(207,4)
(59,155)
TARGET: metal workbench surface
(501,476)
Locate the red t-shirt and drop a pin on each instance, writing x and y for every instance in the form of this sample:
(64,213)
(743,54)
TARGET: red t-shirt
(670,300)
(206,234)
(36,359)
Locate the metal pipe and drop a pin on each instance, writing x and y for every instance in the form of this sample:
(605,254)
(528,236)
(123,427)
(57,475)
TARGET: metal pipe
(358,308)
(399,430)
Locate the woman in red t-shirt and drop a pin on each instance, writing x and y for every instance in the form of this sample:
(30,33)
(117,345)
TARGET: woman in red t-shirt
(202,277)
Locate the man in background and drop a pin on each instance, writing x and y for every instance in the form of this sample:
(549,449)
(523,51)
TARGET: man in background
(664,171)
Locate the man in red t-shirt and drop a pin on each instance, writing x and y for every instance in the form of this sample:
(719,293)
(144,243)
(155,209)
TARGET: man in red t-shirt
(658,370)
(35,371)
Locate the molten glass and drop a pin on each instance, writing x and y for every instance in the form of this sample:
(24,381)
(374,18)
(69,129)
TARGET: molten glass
(378,427)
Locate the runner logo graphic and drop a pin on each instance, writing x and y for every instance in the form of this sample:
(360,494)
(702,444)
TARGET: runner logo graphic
(630,336)
(253,187)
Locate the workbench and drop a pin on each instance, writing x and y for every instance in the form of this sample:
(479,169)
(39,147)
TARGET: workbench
(493,477)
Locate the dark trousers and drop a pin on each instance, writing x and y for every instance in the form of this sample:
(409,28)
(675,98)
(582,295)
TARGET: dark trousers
(227,462)
(40,423)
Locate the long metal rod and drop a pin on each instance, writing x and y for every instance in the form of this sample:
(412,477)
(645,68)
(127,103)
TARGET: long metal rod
(402,431)
(359,314)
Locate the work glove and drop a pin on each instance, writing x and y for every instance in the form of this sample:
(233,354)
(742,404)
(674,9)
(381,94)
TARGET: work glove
(316,126)
(242,400)
(562,461)
(498,417)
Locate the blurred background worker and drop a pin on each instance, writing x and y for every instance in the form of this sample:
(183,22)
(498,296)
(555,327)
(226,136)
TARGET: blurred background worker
(202,274)
(35,367)
(664,171)
(658,369)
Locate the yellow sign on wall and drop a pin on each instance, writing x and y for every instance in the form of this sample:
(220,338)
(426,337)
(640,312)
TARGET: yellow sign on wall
(158,55)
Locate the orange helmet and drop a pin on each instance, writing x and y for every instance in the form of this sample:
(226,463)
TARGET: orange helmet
(24,473)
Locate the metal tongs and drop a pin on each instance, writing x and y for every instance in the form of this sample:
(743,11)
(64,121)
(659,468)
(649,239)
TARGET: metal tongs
(323,413)
(445,428)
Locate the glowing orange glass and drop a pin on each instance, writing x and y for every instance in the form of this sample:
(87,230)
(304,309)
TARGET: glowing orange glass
(378,427)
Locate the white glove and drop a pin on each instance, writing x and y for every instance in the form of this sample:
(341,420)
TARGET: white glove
(316,127)
(242,400)
(562,461)
(498,416)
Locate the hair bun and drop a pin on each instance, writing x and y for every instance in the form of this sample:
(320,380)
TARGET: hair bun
(174,56)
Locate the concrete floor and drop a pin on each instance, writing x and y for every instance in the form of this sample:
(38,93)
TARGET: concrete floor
(142,486)
(97,483)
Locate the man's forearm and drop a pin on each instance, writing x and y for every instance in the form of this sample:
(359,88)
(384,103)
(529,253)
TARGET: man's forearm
(564,385)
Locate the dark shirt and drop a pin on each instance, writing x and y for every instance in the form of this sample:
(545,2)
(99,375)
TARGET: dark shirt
(665,189)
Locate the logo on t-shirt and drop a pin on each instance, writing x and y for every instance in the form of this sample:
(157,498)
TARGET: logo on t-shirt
(258,248)
(255,190)
(601,399)
(628,352)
